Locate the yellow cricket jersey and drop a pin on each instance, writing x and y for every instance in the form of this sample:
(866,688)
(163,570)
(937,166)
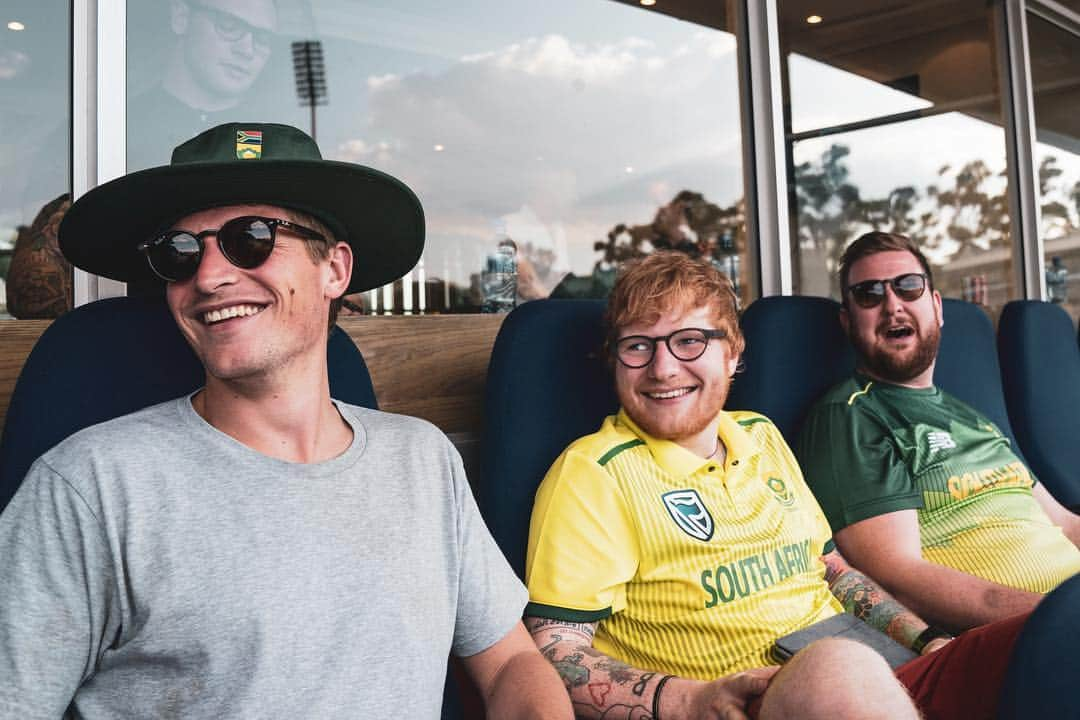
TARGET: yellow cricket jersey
(689,567)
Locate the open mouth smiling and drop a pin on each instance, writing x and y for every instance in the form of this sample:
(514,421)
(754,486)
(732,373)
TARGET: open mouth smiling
(227,313)
(668,394)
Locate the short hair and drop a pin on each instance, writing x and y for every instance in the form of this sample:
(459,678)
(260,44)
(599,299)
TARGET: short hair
(318,249)
(872,243)
(656,284)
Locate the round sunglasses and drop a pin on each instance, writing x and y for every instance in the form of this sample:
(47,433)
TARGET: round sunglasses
(246,242)
(869,293)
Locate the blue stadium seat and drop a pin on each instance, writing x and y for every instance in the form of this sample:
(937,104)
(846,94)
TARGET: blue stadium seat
(547,385)
(1040,364)
(1041,679)
(795,351)
(115,356)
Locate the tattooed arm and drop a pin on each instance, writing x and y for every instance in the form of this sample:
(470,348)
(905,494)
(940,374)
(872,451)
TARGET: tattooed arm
(864,599)
(601,687)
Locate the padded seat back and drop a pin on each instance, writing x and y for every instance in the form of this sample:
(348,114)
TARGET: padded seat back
(795,351)
(967,365)
(547,385)
(1040,363)
(112,357)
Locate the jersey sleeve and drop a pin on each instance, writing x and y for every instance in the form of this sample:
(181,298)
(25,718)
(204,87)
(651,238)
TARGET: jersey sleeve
(582,545)
(852,465)
(59,604)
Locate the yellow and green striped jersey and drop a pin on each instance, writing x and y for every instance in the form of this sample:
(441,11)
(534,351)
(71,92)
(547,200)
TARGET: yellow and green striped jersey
(870,448)
(689,567)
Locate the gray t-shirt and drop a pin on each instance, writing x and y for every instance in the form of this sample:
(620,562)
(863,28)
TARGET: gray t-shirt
(153,567)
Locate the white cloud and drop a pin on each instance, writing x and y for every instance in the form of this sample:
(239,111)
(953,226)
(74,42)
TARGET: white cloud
(544,129)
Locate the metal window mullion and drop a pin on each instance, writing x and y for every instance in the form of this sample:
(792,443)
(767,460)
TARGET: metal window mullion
(84,36)
(764,147)
(1053,12)
(99,104)
(1019,116)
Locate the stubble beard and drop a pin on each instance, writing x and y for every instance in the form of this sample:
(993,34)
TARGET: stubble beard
(685,426)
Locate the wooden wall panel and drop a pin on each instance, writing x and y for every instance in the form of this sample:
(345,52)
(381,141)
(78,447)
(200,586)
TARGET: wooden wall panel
(17,338)
(430,366)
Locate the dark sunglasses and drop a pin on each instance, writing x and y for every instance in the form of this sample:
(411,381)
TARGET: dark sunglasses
(246,242)
(869,293)
(637,351)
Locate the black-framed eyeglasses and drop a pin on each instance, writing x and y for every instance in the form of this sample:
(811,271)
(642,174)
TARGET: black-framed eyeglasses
(637,351)
(245,241)
(869,293)
(230,28)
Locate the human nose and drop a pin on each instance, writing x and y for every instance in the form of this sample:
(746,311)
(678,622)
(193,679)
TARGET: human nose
(890,301)
(214,269)
(245,44)
(664,363)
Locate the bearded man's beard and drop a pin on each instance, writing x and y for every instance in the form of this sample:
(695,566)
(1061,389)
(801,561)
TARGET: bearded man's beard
(896,367)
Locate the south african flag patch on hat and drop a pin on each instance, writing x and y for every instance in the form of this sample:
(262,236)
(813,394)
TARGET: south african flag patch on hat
(248,144)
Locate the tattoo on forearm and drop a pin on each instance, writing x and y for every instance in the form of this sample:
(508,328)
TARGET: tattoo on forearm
(861,597)
(600,687)
(642,683)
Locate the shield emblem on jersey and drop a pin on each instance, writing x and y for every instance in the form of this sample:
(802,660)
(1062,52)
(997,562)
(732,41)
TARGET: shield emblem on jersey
(689,513)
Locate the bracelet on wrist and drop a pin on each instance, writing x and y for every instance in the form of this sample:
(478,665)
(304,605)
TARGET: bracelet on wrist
(656,696)
(926,636)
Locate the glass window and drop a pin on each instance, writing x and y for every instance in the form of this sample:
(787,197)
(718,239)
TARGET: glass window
(35,165)
(546,141)
(895,120)
(1055,78)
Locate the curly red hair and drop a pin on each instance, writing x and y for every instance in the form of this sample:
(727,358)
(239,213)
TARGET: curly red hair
(667,281)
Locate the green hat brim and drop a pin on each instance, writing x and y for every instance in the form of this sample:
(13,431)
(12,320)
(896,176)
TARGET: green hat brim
(376,214)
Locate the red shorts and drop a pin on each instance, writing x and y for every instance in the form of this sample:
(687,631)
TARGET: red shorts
(963,680)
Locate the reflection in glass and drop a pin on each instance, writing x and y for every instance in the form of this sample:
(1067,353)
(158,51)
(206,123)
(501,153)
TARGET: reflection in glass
(583,132)
(1055,78)
(194,64)
(896,126)
(35,57)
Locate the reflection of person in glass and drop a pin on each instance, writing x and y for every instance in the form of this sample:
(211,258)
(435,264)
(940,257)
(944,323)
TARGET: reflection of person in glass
(221,48)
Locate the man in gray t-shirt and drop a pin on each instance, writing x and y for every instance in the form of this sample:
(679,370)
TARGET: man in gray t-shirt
(255,549)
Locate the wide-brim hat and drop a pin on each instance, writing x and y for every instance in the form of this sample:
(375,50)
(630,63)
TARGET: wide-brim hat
(238,163)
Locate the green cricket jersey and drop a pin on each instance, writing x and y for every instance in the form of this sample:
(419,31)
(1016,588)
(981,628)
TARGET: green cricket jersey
(870,448)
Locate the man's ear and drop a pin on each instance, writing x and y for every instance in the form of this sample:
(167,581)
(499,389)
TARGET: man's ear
(179,16)
(938,309)
(845,319)
(340,263)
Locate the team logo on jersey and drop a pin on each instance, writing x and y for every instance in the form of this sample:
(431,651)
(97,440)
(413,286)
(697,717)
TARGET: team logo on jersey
(784,496)
(939,440)
(689,513)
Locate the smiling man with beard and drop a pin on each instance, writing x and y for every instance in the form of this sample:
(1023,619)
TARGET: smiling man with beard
(924,493)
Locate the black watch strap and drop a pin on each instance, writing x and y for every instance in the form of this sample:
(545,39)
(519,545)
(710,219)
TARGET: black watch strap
(930,633)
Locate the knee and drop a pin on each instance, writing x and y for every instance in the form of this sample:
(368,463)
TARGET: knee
(837,678)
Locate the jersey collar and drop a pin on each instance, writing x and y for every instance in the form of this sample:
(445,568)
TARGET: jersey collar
(677,461)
